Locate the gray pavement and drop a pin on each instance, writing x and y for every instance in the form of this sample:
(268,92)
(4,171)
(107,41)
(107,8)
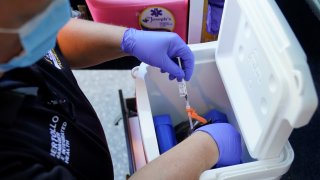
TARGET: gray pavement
(101,88)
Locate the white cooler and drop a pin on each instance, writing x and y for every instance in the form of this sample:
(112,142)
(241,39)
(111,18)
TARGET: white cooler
(256,74)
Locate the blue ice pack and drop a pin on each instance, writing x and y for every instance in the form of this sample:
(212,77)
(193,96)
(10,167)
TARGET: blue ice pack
(165,133)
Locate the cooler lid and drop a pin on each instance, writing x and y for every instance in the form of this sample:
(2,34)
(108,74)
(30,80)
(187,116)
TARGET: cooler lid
(265,73)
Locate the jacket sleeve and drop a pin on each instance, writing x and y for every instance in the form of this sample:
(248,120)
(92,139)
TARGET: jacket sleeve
(24,169)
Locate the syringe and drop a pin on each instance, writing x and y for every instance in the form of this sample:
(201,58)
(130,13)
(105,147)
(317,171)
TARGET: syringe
(183,93)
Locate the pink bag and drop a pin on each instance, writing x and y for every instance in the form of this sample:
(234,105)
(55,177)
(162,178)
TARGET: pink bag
(154,15)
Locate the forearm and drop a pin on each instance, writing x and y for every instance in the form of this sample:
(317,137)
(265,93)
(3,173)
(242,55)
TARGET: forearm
(187,160)
(85,43)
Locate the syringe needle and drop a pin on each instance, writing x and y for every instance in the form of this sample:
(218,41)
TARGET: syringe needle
(183,93)
(188,107)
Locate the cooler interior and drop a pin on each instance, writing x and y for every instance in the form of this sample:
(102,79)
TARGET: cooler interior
(205,90)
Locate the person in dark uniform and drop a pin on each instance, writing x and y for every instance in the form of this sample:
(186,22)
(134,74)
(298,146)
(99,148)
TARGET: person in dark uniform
(49,130)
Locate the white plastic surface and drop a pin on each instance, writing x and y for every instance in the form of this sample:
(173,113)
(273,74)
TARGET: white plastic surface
(195,21)
(162,96)
(148,133)
(263,169)
(265,73)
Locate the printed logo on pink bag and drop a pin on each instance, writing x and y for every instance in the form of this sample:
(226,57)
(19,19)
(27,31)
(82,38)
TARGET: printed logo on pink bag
(157,19)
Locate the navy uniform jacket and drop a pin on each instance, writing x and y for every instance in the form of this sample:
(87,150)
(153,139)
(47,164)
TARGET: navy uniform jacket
(48,129)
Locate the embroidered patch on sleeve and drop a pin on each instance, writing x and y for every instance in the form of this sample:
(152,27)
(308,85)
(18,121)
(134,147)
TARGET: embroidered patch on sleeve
(53,59)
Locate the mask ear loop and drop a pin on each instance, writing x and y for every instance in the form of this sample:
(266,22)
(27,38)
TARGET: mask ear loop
(28,26)
(9,31)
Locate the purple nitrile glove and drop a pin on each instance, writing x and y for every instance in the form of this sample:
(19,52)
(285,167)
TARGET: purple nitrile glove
(158,49)
(215,9)
(228,140)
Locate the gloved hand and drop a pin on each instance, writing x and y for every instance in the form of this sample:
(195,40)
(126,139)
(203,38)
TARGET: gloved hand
(158,49)
(215,8)
(228,140)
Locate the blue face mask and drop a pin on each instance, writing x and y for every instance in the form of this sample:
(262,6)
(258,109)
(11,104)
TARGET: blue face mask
(38,35)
